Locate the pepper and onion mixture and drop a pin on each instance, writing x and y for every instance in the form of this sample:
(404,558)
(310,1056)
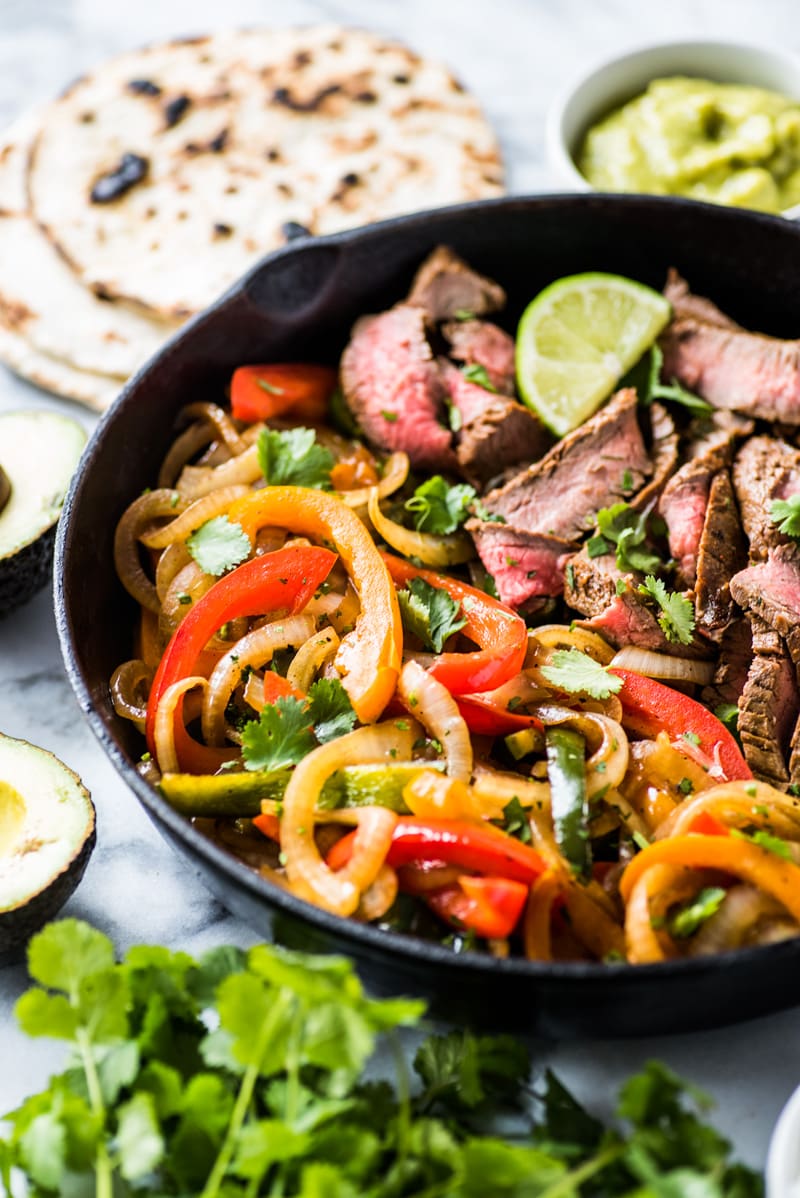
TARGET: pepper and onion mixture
(326,692)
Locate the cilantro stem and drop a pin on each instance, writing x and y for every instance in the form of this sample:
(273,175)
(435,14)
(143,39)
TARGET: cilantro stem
(103,1169)
(244,1097)
(567,1185)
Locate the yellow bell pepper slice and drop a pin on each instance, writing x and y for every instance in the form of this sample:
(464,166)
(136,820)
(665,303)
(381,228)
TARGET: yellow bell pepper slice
(369,657)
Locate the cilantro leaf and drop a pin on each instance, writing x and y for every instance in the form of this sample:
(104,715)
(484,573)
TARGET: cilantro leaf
(627,530)
(475,373)
(64,953)
(576,672)
(141,1145)
(218,545)
(292,457)
(280,737)
(655,389)
(786,514)
(439,508)
(330,710)
(515,821)
(429,613)
(677,613)
(766,840)
(707,902)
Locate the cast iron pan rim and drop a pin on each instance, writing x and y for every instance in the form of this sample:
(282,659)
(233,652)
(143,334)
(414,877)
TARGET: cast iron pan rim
(410,948)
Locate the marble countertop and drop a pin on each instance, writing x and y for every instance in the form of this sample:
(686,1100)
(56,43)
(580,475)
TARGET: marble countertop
(514,54)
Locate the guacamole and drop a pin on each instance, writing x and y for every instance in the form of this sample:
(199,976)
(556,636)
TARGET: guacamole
(722,142)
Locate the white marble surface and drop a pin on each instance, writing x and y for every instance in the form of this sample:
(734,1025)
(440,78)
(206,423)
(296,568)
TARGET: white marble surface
(514,54)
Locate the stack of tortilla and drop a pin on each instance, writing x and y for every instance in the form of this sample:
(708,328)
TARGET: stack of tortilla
(132,201)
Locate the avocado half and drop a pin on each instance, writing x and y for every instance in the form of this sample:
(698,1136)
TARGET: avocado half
(47,833)
(38,455)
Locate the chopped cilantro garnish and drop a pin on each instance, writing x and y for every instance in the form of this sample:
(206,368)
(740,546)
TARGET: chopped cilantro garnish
(728,714)
(218,545)
(292,457)
(184,599)
(686,786)
(640,840)
(765,840)
(438,507)
(786,514)
(330,710)
(577,673)
(454,418)
(597,546)
(475,373)
(627,480)
(429,613)
(692,737)
(515,821)
(655,389)
(569,574)
(627,529)
(462,314)
(707,902)
(388,415)
(270,388)
(620,586)
(280,737)
(677,613)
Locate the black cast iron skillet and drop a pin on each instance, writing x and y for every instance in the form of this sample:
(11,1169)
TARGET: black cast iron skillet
(300,304)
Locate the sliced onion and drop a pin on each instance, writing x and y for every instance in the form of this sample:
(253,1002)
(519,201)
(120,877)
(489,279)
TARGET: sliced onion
(431,550)
(308,874)
(608,762)
(663,665)
(190,582)
(255,649)
(220,422)
(196,513)
(746,916)
(130,686)
(436,709)
(311,657)
(170,562)
(547,639)
(195,481)
(379,895)
(126,543)
(164,730)
(754,804)
(394,475)
(197,436)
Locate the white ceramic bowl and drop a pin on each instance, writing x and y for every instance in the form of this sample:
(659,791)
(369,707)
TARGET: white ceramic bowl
(783,1158)
(618,80)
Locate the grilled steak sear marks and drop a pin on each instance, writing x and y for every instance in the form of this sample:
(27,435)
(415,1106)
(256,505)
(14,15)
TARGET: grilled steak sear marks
(664,452)
(589,469)
(720,555)
(735,657)
(765,469)
(771,590)
(479,343)
(446,288)
(395,389)
(768,707)
(683,506)
(731,368)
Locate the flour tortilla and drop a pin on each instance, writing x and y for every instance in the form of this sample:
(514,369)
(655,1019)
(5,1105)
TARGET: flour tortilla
(44,304)
(96,391)
(322,127)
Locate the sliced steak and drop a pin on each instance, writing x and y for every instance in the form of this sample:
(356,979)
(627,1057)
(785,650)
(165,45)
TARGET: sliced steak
(525,566)
(768,709)
(480,343)
(697,307)
(771,590)
(733,664)
(720,432)
(683,506)
(495,431)
(444,287)
(627,621)
(765,469)
(591,582)
(591,468)
(395,389)
(794,756)
(663,451)
(720,555)
(730,368)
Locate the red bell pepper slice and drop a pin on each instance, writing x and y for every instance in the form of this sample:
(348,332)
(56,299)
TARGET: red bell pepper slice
(490,907)
(499,631)
(301,389)
(649,707)
(706,824)
(269,826)
(283,581)
(480,847)
(277,687)
(487,719)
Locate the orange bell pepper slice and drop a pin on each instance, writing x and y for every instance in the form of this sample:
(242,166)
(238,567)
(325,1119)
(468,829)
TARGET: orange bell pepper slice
(295,388)
(765,870)
(369,657)
(499,631)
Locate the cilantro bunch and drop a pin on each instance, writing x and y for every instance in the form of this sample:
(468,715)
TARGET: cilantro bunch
(243,1074)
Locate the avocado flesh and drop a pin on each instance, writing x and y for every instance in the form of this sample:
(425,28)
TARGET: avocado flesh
(38,455)
(47,833)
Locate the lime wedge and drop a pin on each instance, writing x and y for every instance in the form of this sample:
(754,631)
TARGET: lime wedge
(578,338)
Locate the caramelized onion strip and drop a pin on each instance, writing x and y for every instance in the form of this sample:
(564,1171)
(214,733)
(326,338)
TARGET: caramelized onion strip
(196,513)
(311,657)
(137,516)
(164,732)
(436,709)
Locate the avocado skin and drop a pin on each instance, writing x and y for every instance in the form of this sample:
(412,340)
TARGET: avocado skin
(27,571)
(19,924)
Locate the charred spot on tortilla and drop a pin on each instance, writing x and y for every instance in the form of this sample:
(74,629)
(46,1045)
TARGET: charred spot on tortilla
(130,170)
(221,230)
(366,97)
(291,230)
(217,144)
(175,109)
(143,87)
(284,97)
